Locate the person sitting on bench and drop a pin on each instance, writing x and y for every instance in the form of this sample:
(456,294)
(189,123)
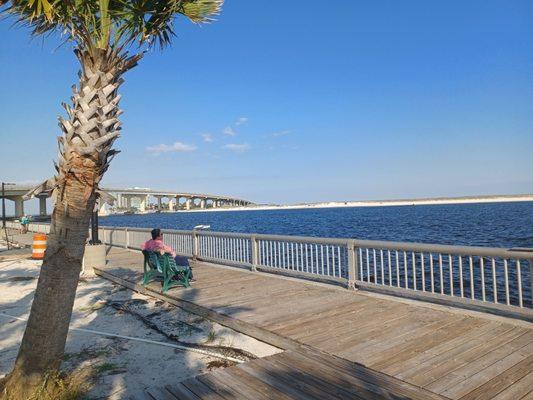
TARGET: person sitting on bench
(157,244)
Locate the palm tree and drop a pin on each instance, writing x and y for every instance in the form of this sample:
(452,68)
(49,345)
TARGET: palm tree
(109,38)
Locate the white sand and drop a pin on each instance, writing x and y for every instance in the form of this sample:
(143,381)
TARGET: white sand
(126,367)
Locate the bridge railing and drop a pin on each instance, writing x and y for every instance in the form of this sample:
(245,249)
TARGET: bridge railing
(485,278)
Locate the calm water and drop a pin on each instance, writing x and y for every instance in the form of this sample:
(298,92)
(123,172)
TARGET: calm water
(497,224)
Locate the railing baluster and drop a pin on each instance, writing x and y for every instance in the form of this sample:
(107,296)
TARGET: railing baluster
(423,272)
(506,275)
(337,271)
(461,284)
(389,259)
(292,256)
(494,283)
(367,266)
(471,263)
(322,258)
(382,267)
(375,266)
(482,267)
(287,256)
(519,279)
(431,275)
(397,269)
(327,259)
(441,274)
(450,262)
(306,259)
(361,272)
(405,269)
(414,269)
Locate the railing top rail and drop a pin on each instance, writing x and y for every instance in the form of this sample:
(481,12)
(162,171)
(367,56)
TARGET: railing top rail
(497,252)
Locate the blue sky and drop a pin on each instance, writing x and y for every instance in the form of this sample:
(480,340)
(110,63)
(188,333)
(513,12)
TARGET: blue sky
(303,101)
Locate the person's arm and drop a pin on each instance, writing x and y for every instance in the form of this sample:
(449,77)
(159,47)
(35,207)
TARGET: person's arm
(168,249)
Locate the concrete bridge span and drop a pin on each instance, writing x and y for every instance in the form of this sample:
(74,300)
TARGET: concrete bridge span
(137,198)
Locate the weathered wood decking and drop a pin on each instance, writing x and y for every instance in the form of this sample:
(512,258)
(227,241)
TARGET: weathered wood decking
(449,352)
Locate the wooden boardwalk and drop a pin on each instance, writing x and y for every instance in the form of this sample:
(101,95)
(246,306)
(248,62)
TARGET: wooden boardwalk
(293,375)
(450,352)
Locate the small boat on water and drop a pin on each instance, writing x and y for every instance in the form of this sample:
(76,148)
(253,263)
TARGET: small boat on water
(201,227)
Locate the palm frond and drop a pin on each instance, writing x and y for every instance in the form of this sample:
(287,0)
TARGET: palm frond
(202,11)
(110,23)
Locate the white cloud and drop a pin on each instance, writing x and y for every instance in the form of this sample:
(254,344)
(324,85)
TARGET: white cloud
(207,137)
(228,130)
(236,147)
(281,133)
(241,121)
(167,148)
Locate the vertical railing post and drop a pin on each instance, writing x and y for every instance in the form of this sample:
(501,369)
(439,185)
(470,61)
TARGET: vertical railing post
(195,245)
(255,253)
(353,264)
(127,237)
(530,279)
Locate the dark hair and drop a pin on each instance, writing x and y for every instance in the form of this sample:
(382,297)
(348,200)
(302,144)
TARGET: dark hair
(155,233)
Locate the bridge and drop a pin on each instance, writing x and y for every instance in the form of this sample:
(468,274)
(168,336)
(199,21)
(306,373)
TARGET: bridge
(135,198)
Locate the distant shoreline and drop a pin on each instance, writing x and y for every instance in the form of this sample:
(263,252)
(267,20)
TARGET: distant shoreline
(375,203)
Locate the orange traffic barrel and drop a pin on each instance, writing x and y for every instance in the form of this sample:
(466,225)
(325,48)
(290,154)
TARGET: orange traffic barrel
(39,246)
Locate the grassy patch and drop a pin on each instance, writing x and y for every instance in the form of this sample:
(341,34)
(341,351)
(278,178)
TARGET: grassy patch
(106,367)
(211,336)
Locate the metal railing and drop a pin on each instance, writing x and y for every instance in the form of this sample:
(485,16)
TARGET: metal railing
(496,278)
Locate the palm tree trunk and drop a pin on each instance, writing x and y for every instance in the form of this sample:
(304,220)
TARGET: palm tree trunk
(84,155)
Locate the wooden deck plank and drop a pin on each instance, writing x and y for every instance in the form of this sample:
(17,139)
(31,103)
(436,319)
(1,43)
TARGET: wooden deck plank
(244,382)
(261,374)
(517,389)
(503,381)
(390,336)
(342,384)
(446,350)
(181,392)
(420,344)
(424,344)
(201,390)
(355,370)
(441,367)
(160,394)
(459,375)
(493,371)
(397,323)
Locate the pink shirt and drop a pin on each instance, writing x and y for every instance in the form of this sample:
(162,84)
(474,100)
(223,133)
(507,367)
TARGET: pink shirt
(157,245)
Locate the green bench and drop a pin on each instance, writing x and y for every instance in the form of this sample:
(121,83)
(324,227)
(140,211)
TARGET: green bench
(163,267)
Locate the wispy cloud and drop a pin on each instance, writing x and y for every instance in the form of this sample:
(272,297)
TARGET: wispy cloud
(241,121)
(281,133)
(228,130)
(207,137)
(175,147)
(237,147)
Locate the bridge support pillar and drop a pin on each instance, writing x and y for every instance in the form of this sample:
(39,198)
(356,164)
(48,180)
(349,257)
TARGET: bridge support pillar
(159,203)
(102,210)
(142,204)
(188,204)
(42,206)
(19,207)
(202,203)
(170,205)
